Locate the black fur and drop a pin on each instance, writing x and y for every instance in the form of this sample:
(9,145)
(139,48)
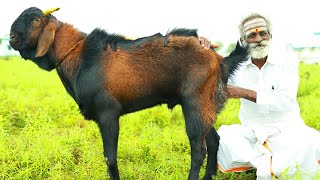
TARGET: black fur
(132,44)
(220,95)
(183,32)
(93,46)
(231,63)
(99,37)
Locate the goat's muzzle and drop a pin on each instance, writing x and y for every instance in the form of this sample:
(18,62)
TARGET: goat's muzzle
(15,41)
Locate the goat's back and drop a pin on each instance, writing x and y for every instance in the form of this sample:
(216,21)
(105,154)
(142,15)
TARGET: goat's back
(155,66)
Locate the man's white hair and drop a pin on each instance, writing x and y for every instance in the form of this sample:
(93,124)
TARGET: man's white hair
(251,17)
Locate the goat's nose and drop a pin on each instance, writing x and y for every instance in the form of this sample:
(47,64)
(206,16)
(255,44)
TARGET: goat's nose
(12,35)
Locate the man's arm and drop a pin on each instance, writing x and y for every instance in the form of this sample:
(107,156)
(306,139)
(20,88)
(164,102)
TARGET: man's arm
(238,92)
(281,96)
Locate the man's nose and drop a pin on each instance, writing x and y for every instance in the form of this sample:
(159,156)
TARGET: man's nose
(258,38)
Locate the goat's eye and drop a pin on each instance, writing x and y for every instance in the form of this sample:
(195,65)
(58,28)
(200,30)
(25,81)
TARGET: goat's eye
(36,21)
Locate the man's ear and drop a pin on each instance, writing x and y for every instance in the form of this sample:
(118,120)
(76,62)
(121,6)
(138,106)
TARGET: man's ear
(241,42)
(46,37)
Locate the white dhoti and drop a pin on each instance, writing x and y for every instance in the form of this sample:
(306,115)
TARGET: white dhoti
(272,150)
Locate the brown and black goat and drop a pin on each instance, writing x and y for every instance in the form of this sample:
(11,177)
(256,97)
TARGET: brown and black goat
(108,76)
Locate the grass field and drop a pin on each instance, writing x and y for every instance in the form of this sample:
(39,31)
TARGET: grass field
(43,136)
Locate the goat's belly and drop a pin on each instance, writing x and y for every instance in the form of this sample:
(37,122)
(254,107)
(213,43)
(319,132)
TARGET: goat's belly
(147,102)
(87,111)
(126,90)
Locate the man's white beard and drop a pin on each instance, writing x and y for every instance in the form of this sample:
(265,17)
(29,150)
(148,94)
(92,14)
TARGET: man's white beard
(259,50)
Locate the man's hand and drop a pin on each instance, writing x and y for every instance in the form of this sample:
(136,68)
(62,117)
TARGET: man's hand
(205,42)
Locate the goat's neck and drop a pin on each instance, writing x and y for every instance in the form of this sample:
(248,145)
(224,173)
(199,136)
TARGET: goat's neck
(66,37)
(67,47)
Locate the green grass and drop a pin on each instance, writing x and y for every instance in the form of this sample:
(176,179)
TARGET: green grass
(43,136)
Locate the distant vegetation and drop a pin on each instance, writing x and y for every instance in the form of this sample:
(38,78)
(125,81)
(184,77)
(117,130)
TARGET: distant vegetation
(43,136)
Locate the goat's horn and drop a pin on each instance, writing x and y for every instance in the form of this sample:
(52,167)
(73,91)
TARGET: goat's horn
(49,11)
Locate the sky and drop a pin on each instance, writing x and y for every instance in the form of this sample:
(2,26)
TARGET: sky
(215,20)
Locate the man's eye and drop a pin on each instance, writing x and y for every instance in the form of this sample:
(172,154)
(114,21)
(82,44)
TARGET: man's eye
(252,35)
(263,33)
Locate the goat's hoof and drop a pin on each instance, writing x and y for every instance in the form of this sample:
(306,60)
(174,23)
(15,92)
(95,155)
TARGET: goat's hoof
(209,177)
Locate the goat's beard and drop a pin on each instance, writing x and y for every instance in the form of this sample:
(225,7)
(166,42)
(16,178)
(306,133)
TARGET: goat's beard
(259,50)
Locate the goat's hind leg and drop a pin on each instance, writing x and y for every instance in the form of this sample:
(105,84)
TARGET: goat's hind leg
(212,141)
(195,132)
(109,128)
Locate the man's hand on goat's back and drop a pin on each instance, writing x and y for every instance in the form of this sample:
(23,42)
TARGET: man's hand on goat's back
(205,42)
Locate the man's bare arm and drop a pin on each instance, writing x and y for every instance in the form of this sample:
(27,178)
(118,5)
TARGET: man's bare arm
(238,92)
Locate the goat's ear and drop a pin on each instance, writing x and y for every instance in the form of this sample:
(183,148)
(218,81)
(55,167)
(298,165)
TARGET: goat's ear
(46,37)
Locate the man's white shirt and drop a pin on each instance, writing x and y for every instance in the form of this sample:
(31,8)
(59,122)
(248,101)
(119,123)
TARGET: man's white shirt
(276,84)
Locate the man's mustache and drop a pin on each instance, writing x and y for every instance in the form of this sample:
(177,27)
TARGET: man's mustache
(261,44)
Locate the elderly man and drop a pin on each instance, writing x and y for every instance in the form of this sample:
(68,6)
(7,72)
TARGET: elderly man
(272,136)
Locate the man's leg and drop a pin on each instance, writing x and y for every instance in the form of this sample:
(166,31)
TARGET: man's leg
(236,148)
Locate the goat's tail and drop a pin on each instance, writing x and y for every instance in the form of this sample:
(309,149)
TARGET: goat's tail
(233,61)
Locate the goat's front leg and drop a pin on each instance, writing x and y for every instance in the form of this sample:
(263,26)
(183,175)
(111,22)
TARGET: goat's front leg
(109,128)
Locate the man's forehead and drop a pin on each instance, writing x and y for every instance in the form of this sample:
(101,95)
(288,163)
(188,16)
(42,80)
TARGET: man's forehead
(256,30)
(255,25)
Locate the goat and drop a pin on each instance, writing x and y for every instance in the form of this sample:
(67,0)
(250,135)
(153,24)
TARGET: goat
(109,76)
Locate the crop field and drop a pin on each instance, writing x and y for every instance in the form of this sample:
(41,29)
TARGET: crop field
(43,136)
